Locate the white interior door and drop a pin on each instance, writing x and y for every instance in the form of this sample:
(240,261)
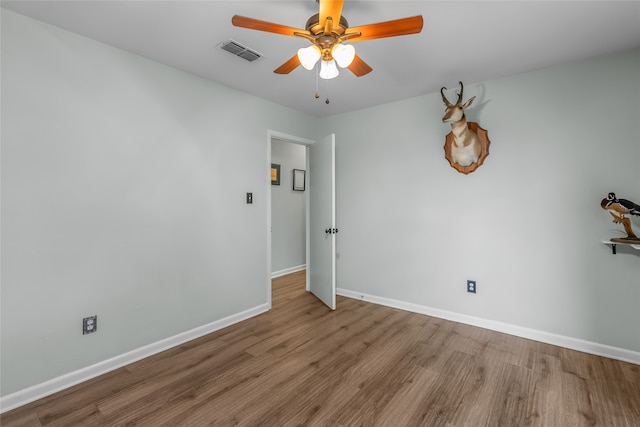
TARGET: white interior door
(321,268)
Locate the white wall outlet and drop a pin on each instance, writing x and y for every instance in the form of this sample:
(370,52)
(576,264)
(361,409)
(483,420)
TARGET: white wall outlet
(471,286)
(89,325)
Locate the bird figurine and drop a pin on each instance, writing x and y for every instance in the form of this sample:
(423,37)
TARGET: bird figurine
(619,209)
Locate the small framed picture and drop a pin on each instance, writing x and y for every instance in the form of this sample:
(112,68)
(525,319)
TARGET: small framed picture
(299,180)
(275,174)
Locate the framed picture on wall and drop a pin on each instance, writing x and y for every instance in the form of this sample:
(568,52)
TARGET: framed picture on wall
(275,174)
(298,180)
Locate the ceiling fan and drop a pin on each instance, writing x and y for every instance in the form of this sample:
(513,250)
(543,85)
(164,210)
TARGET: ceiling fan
(327,30)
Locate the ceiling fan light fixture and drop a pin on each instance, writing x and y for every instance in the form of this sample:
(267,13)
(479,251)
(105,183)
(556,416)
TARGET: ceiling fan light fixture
(343,54)
(326,30)
(328,70)
(308,56)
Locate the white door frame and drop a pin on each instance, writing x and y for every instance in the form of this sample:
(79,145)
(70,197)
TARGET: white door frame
(271,135)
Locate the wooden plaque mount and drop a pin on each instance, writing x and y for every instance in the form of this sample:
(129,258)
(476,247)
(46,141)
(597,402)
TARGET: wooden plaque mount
(484,151)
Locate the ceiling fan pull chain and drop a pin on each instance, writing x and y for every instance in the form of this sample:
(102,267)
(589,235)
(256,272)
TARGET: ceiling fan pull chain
(327,101)
(317,77)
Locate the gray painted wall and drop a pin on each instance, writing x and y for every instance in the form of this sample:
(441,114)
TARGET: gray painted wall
(123,195)
(527,225)
(288,209)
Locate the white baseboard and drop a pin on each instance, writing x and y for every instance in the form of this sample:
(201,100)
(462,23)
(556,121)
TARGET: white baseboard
(38,391)
(519,331)
(288,271)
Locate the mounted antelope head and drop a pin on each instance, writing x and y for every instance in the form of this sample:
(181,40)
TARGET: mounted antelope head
(454,112)
(466,147)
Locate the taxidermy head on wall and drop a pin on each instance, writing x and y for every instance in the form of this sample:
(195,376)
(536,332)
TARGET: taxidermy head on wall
(466,148)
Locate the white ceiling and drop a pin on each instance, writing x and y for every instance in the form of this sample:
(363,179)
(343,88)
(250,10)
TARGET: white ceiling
(472,41)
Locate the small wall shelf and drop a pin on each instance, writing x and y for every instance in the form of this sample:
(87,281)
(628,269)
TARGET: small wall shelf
(613,245)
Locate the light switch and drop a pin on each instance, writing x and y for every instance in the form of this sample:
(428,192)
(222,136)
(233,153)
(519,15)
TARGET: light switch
(249,198)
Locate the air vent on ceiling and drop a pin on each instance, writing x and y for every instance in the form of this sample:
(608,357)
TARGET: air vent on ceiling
(240,50)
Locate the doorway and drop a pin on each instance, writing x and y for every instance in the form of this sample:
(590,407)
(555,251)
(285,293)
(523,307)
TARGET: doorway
(320,215)
(288,208)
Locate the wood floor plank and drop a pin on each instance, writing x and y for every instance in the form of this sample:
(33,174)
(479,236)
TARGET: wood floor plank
(510,396)
(181,376)
(324,398)
(295,394)
(78,403)
(301,364)
(576,403)
(611,392)
(23,419)
(408,405)
(545,391)
(206,400)
(231,407)
(445,396)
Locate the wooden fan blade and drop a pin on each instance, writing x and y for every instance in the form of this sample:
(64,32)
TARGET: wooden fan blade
(332,9)
(288,66)
(397,27)
(256,24)
(359,67)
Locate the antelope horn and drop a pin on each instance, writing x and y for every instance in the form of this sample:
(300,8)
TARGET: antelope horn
(444,98)
(460,94)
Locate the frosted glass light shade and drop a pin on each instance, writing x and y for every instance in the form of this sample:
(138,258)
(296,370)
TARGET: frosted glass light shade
(328,69)
(308,56)
(343,54)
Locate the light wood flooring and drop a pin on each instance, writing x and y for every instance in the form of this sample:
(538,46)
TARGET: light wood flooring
(361,365)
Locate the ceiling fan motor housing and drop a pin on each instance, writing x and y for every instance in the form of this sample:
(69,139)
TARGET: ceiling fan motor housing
(326,41)
(314,27)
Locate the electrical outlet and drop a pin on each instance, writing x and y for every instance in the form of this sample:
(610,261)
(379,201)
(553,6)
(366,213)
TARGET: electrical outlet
(471,286)
(89,325)
(249,198)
